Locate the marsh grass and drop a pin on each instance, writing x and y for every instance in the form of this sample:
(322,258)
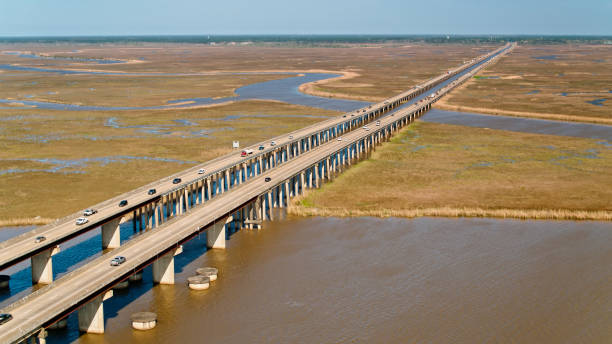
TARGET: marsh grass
(432,169)
(381,70)
(75,137)
(549,89)
(524,214)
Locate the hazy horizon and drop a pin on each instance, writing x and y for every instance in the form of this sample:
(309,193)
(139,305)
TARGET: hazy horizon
(37,18)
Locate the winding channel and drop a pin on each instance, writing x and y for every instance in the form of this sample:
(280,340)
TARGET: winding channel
(287,90)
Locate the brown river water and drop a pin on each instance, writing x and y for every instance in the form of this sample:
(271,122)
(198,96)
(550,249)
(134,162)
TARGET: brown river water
(367,280)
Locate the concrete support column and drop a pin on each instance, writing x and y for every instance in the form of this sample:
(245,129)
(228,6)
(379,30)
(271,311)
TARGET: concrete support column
(287,193)
(151,215)
(111,237)
(215,234)
(42,336)
(163,267)
(208,194)
(91,315)
(158,216)
(186,193)
(269,207)
(227,179)
(302,180)
(42,266)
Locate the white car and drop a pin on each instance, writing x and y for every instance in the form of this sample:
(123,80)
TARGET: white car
(118,261)
(81,221)
(272,143)
(339,139)
(201,171)
(365,127)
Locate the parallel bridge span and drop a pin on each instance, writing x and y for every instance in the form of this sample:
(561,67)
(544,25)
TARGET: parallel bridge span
(222,174)
(293,167)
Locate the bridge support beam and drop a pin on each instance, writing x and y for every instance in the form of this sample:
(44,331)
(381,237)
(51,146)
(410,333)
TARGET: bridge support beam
(42,266)
(163,267)
(111,237)
(91,315)
(215,234)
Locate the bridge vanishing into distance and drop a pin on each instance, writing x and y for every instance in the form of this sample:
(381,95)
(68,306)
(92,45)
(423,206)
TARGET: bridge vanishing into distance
(232,191)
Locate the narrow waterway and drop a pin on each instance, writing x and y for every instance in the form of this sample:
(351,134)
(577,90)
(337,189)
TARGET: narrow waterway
(367,280)
(518,124)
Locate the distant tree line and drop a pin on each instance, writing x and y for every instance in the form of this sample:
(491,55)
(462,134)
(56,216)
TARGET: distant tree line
(318,40)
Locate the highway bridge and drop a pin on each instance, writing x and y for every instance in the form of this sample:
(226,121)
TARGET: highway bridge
(170,199)
(232,191)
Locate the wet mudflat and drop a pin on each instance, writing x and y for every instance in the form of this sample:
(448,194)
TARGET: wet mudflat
(432,280)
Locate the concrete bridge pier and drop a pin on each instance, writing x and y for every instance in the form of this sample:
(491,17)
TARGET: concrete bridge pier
(111,234)
(215,234)
(163,267)
(91,315)
(42,266)
(269,205)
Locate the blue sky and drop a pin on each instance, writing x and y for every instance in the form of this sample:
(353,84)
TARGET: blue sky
(136,17)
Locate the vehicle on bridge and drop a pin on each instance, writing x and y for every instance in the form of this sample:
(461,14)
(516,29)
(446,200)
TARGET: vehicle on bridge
(123,203)
(40,238)
(81,221)
(201,171)
(176,180)
(152,191)
(5,317)
(268,179)
(273,143)
(246,152)
(89,212)
(118,261)
(262,147)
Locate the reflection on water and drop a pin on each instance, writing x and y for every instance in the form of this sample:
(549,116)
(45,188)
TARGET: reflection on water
(525,125)
(427,280)
(78,166)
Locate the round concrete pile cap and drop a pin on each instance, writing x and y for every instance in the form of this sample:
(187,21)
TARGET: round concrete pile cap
(144,320)
(208,269)
(198,279)
(144,317)
(209,272)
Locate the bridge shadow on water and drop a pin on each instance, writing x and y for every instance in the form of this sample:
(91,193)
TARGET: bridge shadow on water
(73,254)
(192,250)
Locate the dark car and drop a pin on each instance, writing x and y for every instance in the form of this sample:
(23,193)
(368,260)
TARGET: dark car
(5,318)
(176,180)
(123,203)
(152,191)
(262,147)
(89,212)
(40,239)
(268,179)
